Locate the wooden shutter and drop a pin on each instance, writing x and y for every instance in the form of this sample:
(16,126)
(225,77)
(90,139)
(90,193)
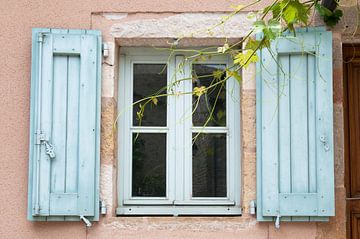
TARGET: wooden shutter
(64,125)
(295,155)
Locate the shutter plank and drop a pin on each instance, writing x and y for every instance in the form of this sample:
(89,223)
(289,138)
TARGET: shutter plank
(298,121)
(59,123)
(324,125)
(72,153)
(46,122)
(312,122)
(269,136)
(87,134)
(284,126)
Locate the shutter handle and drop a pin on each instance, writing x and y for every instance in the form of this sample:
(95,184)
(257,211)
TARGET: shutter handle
(323,140)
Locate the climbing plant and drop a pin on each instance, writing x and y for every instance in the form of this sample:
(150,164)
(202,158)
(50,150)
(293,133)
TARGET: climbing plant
(271,21)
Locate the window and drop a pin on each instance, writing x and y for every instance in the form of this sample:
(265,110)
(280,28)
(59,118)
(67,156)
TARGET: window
(177,160)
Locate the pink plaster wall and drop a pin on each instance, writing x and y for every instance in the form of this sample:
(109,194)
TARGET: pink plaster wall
(16,19)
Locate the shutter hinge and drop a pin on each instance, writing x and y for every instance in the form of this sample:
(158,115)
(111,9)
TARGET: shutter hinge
(41,139)
(36,209)
(252,207)
(40,136)
(324,140)
(41,38)
(103,209)
(105,49)
(86,221)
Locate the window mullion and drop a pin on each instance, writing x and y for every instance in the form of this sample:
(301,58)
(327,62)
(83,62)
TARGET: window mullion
(178,124)
(187,141)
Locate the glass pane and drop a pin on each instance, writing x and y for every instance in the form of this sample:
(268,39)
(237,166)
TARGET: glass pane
(149,165)
(209,165)
(150,79)
(203,75)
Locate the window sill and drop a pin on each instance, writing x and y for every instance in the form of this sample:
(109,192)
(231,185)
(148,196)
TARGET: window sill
(187,210)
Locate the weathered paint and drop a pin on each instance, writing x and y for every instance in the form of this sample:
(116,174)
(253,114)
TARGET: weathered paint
(18,17)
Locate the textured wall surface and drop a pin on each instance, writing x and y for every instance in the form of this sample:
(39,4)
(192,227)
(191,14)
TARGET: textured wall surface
(121,23)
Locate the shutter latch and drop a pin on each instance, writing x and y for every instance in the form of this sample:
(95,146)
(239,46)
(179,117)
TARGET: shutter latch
(41,139)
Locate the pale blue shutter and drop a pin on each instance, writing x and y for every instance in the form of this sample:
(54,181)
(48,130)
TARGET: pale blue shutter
(64,125)
(295,154)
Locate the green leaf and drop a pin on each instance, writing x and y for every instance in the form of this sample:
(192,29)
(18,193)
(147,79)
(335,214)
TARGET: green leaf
(252,44)
(334,18)
(330,18)
(275,26)
(257,44)
(276,10)
(236,75)
(323,11)
(293,12)
(258,26)
(244,59)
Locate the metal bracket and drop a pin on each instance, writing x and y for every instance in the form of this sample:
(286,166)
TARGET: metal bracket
(40,37)
(277,222)
(103,207)
(252,208)
(323,140)
(86,221)
(105,49)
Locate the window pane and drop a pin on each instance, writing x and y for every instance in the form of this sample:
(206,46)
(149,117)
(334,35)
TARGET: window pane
(149,165)
(150,79)
(216,96)
(209,165)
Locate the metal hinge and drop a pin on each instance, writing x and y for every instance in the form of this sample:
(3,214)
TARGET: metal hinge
(103,209)
(105,49)
(42,139)
(252,207)
(36,209)
(324,140)
(40,37)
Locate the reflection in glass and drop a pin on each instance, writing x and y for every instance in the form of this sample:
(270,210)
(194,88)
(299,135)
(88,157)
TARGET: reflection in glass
(216,96)
(149,165)
(150,79)
(209,165)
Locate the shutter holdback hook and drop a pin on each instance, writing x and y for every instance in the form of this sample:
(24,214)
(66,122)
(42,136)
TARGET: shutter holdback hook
(277,222)
(86,221)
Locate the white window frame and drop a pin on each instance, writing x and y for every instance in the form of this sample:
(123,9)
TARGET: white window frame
(178,200)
